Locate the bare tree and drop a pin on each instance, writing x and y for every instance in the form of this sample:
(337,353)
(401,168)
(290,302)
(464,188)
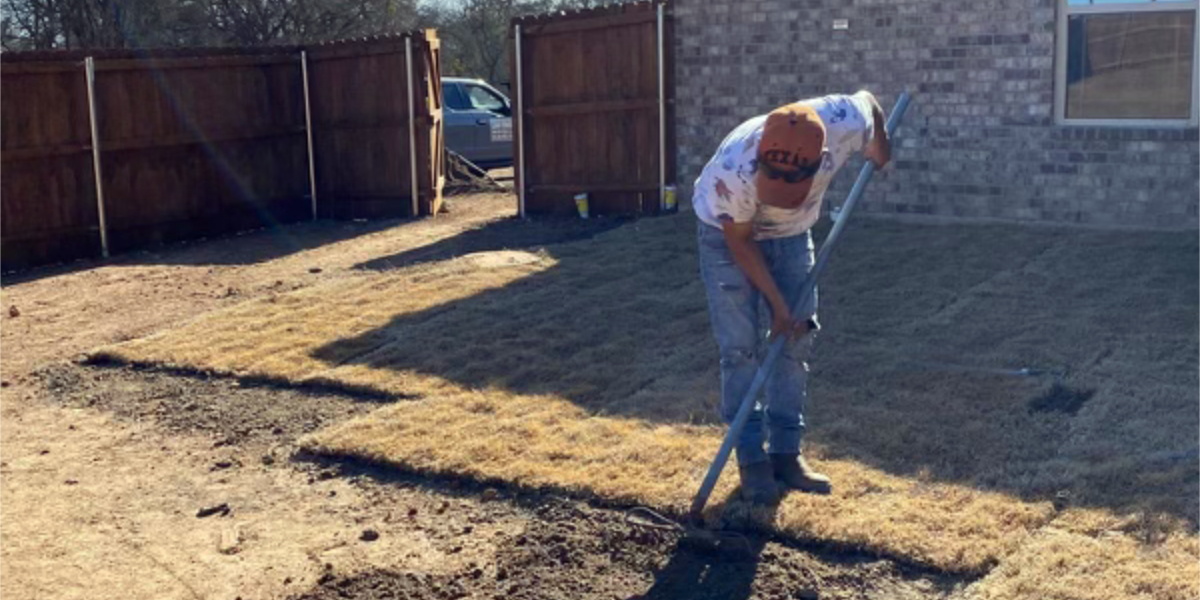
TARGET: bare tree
(249,22)
(475,32)
(28,24)
(44,24)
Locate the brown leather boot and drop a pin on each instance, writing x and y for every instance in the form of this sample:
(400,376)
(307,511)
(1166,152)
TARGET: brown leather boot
(758,483)
(792,472)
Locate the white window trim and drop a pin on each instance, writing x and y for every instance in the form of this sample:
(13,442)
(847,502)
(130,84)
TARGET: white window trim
(1060,62)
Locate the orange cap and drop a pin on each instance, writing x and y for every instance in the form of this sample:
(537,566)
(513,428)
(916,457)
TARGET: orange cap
(789,155)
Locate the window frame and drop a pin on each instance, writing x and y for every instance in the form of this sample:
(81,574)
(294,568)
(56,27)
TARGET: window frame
(1066,10)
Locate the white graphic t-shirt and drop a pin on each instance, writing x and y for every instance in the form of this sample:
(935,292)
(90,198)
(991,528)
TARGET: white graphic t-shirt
(725,188)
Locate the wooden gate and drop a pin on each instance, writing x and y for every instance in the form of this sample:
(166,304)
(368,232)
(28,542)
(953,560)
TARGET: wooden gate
(377,117)
(595,109)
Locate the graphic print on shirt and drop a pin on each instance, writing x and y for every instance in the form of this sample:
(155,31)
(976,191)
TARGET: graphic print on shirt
(725,189)
(751,144)
(839,114)
(746,170)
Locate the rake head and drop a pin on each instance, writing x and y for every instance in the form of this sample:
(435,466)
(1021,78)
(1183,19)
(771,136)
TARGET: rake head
(692,533)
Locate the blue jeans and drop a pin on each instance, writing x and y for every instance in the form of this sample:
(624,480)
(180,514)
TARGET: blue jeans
(740,318)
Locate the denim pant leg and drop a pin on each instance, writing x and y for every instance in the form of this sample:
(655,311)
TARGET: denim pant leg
(733,310)
(790,260)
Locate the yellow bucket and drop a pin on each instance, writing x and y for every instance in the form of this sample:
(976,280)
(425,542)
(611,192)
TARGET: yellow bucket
(669,204)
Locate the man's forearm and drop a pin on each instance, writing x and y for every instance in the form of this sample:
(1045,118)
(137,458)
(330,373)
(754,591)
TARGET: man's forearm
(750,260)
(883,143)
(881,134)
(880,148)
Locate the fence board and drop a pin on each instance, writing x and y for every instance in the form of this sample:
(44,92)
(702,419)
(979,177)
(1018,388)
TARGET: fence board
(44,122)
(591,110)
(172,167)
(201,142)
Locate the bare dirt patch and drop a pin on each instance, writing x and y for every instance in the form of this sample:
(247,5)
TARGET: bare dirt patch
(572,549)
(546,561)
(231,411)
(101,507)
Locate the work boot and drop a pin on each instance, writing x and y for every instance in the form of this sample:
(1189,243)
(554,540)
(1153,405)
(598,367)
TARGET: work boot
(792,472)
(758,483)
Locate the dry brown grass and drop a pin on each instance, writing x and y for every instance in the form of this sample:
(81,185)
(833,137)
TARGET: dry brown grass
(1058,565)
(280,336)
(591,369)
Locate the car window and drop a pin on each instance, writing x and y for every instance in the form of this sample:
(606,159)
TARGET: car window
(485,99)
(454,98)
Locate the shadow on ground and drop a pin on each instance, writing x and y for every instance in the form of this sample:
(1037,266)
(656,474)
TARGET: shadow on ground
(916,372)
(244,248)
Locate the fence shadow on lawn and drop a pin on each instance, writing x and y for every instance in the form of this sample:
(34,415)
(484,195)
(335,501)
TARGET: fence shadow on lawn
(619,326)
(261,245)
(271,243)
(235,249)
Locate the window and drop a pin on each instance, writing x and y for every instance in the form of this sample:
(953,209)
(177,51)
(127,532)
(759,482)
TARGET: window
(485,99)
(454,98)
(1126,62)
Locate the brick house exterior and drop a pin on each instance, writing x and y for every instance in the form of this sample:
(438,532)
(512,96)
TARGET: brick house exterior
(980,141)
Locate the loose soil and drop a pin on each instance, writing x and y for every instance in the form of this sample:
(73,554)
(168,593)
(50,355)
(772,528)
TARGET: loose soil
(105,470)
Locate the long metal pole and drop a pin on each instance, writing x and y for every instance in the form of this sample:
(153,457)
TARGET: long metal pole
(662,120)
(519,121)
(1195,116)
(312,170)
(760,378)
(412,126)
(89,68)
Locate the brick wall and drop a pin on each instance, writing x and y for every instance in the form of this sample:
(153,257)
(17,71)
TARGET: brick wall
(980,139)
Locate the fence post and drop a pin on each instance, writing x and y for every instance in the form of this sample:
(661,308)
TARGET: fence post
(89,68)
(662,119)
(312,171)
(520,124)
(412,126)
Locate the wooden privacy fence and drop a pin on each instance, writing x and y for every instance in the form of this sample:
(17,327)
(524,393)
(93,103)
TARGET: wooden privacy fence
(109,151)
(595,109)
